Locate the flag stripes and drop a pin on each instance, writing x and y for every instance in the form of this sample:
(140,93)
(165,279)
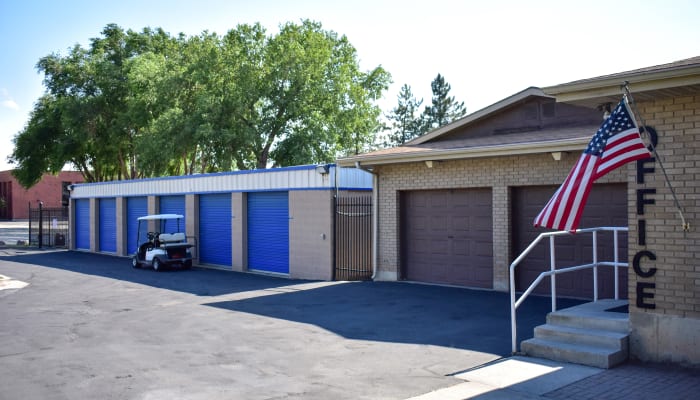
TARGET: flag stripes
(616,143)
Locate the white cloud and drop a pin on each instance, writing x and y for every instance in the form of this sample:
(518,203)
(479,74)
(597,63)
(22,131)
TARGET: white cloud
(6,101)
(11,104)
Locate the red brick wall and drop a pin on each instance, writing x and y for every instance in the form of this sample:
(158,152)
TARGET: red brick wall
(48,190)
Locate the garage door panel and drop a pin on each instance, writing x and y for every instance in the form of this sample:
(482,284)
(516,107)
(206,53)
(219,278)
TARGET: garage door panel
(173,205)
(459,238)
(439,247)
(108,225)
(607,206)
(268,231)
(566,254)
(483,249)
(438,201)
(82,224)
(439,224)
(461,248)
(215,239)
(460,224)
(482,223)
(135,207)
(421,246)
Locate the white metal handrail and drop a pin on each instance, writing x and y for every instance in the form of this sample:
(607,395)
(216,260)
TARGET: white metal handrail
(553,271)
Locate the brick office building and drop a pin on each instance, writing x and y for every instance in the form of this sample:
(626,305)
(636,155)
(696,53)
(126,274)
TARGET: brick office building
(51,191)
(456,205)
(465,194)
(664,284)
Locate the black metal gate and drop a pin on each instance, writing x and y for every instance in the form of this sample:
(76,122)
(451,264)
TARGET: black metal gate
(353,238)
(48,227)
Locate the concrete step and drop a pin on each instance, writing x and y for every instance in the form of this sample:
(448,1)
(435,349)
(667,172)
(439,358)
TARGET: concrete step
(594,356)
(593,316)
(584,336)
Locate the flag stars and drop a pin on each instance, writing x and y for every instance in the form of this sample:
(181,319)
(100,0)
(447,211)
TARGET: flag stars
(563,209)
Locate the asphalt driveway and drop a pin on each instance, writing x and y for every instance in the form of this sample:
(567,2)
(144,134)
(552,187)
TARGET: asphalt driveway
(90,326)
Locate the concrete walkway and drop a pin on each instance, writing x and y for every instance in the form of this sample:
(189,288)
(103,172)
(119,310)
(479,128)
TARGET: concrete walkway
(525,378)
(513,378)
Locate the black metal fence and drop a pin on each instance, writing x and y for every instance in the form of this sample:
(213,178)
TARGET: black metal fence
(48,227)
(353,238)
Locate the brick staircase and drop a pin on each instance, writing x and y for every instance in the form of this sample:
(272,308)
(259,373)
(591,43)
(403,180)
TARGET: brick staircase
(587,334)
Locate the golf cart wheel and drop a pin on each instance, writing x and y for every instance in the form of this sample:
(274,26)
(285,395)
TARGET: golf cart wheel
(135,263)
(157,265)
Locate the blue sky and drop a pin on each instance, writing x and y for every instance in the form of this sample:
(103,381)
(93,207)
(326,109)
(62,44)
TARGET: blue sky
(487,50)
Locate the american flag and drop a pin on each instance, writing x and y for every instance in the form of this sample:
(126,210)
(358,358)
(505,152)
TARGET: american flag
(616,143)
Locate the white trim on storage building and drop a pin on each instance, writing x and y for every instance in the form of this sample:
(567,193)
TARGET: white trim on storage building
(305,177)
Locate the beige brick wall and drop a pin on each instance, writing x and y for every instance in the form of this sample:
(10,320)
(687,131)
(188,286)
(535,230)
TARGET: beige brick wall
(671,330)
(497,173)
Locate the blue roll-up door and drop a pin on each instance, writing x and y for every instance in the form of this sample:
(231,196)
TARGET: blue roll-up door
(268,231)
(173,205)
(135,207)
(215,229)
(108,225)
(82,224)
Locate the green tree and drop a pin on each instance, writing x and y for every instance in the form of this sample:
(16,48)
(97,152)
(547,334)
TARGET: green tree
(443,109)
(86,117)
(248,100)
(142,104)
(306,99)
(405,124)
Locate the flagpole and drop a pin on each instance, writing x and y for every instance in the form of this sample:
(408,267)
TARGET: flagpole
(630,100)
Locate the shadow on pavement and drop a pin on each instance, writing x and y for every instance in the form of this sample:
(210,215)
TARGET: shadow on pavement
(399,312)
(197,281)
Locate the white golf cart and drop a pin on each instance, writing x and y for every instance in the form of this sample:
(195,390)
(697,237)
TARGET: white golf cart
(161,242)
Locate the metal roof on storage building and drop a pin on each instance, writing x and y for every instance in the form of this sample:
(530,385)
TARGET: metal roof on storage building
(305,177)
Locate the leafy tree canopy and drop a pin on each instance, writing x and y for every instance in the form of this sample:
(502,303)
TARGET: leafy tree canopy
(144,104)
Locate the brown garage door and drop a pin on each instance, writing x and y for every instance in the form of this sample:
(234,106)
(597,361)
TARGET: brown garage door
(607,206)
(446,237)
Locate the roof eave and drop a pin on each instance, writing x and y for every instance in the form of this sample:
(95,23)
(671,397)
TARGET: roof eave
(575,144)
(640,81)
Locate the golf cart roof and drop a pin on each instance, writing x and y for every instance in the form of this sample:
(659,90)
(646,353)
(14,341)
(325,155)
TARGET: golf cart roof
(160,216)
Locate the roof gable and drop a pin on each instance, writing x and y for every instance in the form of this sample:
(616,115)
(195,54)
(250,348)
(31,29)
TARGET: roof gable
(480,114)
(527,122)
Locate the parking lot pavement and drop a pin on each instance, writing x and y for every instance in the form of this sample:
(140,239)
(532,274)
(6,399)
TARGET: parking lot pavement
(90,326)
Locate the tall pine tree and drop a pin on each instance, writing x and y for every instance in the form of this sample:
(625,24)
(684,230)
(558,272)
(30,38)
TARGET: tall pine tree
(405,124)
(444,108)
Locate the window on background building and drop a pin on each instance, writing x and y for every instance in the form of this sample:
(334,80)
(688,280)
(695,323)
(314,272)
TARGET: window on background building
(65,194)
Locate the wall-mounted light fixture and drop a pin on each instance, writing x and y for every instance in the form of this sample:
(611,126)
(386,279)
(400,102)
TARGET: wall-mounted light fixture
(323,169)
(556,155)
(429,163)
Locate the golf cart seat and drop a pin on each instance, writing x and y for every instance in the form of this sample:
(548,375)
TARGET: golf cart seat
(171,237)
